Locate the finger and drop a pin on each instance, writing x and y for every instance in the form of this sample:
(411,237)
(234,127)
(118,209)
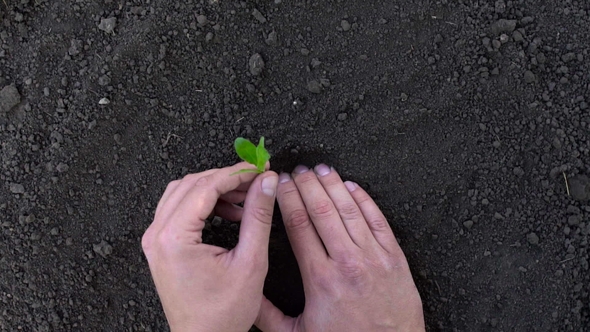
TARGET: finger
(323,213)
(170,188)
(257,217)
(228,211)
(271,318)
(180,188)
(200,200)
(375,219)
(305,241)
(351,215)
(234,196)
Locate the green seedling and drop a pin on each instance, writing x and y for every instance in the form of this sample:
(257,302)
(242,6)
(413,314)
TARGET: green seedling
(255,155)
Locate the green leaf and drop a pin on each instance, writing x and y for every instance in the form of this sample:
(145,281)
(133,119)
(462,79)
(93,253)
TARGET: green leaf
(246,150)
(246,170)
(262,155)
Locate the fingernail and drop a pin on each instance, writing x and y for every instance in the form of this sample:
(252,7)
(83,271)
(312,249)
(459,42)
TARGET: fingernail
(269,185)
(322,170)
(300,169)
(284,177)
(351,186)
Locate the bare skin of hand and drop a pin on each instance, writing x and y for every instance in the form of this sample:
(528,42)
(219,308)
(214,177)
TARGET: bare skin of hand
(355,275)
(204,287)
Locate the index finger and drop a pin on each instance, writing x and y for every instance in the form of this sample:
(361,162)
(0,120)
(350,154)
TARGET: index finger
(198,202)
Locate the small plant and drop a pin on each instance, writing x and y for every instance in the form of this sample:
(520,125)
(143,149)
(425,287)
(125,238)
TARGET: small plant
(255,155)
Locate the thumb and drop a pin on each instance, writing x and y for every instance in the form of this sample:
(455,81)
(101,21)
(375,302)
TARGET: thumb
(257,217)
(272,319)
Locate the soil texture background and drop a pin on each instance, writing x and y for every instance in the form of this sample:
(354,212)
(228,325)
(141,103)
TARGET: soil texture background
(468,122)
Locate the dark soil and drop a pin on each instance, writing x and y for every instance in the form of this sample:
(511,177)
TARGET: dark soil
(468,121)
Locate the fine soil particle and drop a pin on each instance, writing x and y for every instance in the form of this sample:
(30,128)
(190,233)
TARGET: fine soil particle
(467,121)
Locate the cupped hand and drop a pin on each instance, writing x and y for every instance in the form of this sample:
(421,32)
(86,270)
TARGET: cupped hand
(204,287)
(355,275)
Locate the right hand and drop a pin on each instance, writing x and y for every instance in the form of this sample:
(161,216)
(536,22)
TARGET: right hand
(355,275)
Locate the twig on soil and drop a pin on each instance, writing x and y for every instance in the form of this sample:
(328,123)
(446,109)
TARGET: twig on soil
(240,119)
(437,286)
(566,260)
(168,138)
(567,186)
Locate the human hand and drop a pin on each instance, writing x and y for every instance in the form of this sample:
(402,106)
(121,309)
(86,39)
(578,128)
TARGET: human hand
(204,287)
(355,275)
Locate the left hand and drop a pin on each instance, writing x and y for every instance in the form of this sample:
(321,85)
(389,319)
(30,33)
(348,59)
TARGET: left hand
(204,287)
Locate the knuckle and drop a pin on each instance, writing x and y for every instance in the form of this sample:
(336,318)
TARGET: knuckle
(352,269)
(262,214)
(362,198)
(288,191)
(349,210)
(147,241)
(297,219)
(322,208)
(191,177)
(172,185)
(321,278)
(258,263)
(306,177)
(378,223)
(388,263)
(203,181)
(330,181)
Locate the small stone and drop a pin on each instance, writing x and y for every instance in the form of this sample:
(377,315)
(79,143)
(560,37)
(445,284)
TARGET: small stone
(76,47)
(258,16)
(527,20)
(529,77)
(104,101)
(314,86)
(104,80)
(9,97)
(61,167)
(216,221)
(532,238)
(579,187)
(342,116)
(256,64)
(345,25)
(500,6)
(574,220)
(518,171)
(202,20)
(315,63)
(108,25)
(503,26)
(271,39)
(468,224)
(517,36)
(54,231)
(103,249)
(568,57)
(17,188)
